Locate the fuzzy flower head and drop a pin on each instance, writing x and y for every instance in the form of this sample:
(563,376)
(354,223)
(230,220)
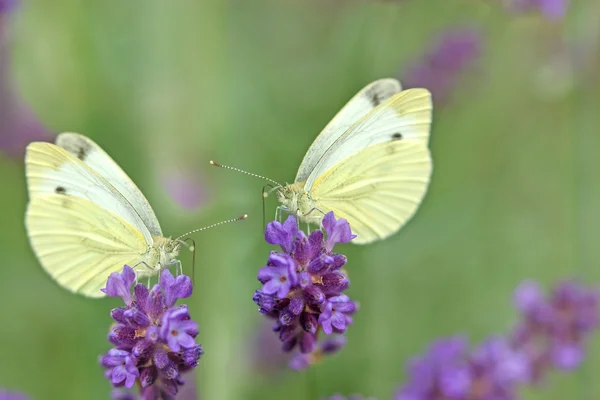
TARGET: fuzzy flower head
(302,285)
(154,339)
(554,330)
(351,397)
(7,5)
(449,370)
(6,395)
(549,9)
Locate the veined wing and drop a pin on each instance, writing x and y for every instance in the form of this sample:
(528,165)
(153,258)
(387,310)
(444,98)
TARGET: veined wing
(376,190)
(404,117)
(53,170)
(364,101)
(79,243)
(94,157)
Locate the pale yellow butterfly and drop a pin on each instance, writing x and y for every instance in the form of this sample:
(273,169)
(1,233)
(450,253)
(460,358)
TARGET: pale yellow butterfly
(370,165)
(87,219)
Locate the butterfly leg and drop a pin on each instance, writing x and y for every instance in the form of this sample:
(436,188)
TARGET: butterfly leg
(141,263)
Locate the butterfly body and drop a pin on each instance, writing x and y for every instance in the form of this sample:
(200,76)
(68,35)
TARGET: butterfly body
(370,165)
(86,218)
(295,200)
(161,254)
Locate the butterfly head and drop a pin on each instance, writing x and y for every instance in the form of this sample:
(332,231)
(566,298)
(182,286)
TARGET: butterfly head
(294,199)
(165,251)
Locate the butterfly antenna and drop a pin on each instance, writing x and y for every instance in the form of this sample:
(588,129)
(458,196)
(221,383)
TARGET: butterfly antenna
(216,164)
(192,248)
(214,225)
(264,195)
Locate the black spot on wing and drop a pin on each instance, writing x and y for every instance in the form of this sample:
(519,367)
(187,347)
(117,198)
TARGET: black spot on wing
(374,96)
(79,147)
(396,136)
(60,190)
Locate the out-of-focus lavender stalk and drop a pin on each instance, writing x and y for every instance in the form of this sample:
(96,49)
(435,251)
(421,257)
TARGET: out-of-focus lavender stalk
(551,334)
(549,9)
(4,394)
(18,124)
(440,68)
(185,188)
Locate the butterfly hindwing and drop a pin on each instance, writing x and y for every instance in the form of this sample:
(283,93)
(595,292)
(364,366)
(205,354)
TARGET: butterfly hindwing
(79,243)
(377,190)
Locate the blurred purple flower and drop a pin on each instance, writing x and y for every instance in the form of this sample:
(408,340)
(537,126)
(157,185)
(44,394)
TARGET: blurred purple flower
(327,347)
(441,373)
(449,370)
(303,285)
(6,395)
(351,397)
(185,188)
(6,6)
(267,357)
(18,124)
(550,9)
(154,339)
(439,69)
(553,331)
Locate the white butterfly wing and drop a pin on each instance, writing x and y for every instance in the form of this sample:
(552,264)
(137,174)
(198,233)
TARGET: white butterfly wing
(364,101)
(377,190)
(79,243)
(404,117)
(94,157)
(53,170)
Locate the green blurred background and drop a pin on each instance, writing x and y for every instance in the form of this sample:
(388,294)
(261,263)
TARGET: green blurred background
(169,85)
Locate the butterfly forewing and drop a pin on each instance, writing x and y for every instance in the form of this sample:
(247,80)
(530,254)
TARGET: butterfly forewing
(53,170)
(364,101)
(405,117)
(96,159)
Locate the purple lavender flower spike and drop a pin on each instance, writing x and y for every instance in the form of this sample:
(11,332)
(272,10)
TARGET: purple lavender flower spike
(175,288)
(122,367)
(303,287)
(282,234)
(154,339)
(119,285)
(337,231)
(553,331)
(178,330)
(278,277)
(333,313)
